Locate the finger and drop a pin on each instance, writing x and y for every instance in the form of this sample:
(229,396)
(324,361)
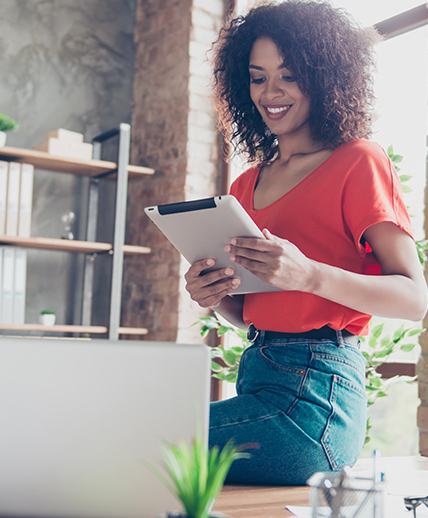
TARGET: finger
(206,279)
(268,235)
(251,265)
(197,267)
(210,282)
(256,243)
(212,295)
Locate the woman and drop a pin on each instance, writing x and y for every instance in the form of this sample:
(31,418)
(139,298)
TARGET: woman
(293,85)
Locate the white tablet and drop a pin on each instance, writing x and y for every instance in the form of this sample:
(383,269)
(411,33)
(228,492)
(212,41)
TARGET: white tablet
(200,229)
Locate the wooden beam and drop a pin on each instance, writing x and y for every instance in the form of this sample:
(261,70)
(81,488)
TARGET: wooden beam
(391,369)
(403,22)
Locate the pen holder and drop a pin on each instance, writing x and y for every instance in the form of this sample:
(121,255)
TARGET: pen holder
(338,495)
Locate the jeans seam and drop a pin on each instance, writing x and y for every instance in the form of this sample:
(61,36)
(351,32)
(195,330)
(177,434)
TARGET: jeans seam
(278,366)
(240,379)
(237,423)
(299,397)
(330,422)
(337,359)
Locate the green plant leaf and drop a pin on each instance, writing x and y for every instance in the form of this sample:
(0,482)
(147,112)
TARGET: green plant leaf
(385,341)
(222,330)
(230,358)
(399,334)
(414,332)
(215,367)
(7,123)
(407,347)
(377,330)
(396,158)
(231,377)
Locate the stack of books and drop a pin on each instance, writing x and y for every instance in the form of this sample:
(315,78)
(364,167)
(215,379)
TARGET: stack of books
(66,143)
(16,200)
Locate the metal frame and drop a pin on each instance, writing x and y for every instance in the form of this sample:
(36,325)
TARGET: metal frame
(124,132)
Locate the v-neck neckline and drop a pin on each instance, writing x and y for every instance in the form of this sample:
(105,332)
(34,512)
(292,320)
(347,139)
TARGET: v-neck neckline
(296,187)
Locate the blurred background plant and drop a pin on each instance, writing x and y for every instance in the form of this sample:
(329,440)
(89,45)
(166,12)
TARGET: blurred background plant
(7,123)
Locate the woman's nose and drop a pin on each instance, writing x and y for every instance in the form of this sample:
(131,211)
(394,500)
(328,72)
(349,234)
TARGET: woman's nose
(273,89)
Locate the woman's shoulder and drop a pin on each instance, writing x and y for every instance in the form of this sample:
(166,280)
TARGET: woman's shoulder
(363,148)
(246,178)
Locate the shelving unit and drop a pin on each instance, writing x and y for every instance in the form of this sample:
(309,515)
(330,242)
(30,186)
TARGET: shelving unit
(94,169)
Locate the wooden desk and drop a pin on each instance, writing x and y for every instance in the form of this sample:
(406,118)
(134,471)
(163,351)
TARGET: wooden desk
(270,502)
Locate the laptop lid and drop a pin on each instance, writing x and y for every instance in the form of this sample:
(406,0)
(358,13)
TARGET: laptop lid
(79,417)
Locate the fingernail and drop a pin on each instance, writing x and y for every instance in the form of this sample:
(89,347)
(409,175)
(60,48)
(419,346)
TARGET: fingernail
(233,241)
(236,282)
(229,271)
(210,262)
(232,258)
(227,248)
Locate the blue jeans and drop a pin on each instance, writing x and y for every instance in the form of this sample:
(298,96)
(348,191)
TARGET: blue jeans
(301,408)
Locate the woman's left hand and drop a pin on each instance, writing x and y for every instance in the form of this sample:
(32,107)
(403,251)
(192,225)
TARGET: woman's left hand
(275,261)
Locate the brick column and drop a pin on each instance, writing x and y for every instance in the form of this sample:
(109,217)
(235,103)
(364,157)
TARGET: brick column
(203,161)
(173,131)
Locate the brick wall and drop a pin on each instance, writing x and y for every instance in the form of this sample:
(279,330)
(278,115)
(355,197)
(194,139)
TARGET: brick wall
(173,132)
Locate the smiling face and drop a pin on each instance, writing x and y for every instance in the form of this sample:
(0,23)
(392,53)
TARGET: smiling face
(274,91)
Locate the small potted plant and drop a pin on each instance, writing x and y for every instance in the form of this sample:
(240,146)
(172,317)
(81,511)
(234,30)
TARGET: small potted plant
(6,124)
(47,317)
(196,475)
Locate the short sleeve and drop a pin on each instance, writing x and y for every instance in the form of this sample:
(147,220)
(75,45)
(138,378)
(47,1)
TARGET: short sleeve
(372,193)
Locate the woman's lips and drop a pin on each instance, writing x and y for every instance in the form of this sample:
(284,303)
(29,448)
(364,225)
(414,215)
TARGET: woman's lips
(276,112)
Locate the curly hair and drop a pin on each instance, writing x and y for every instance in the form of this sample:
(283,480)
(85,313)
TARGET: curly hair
(331,56)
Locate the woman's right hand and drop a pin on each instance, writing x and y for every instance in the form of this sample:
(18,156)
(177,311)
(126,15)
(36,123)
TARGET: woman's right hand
(206,289)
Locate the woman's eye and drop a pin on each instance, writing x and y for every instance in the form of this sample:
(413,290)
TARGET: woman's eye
(257,80)
(289,79)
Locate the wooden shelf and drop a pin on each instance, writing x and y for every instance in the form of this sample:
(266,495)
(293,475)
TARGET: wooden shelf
(47,162)
(69,245)
(72,329)
(55,329)
(132,331)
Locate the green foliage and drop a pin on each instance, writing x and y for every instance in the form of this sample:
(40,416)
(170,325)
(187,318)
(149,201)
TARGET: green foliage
(225,361)
(196,474)
(47,312)
(7,123)
(421,244)
(377,348)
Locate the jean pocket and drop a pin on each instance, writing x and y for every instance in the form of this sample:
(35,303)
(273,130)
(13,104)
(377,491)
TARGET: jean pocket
(344,434)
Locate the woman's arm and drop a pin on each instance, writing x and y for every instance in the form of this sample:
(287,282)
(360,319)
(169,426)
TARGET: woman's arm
(212,290)
(400,292)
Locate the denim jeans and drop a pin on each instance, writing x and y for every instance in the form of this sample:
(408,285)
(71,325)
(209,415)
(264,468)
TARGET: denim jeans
(301,408)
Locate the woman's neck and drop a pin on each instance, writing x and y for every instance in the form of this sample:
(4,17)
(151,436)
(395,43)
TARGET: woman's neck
(297,145)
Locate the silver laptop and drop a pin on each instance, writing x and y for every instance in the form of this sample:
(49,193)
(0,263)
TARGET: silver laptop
(79,418)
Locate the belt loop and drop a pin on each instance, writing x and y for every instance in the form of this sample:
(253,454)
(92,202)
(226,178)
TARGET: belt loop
(340,338)
(254,334)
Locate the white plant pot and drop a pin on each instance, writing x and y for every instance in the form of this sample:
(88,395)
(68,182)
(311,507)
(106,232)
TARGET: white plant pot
(47,320)
(3,136)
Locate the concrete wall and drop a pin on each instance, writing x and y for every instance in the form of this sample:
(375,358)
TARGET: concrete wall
(69,64)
